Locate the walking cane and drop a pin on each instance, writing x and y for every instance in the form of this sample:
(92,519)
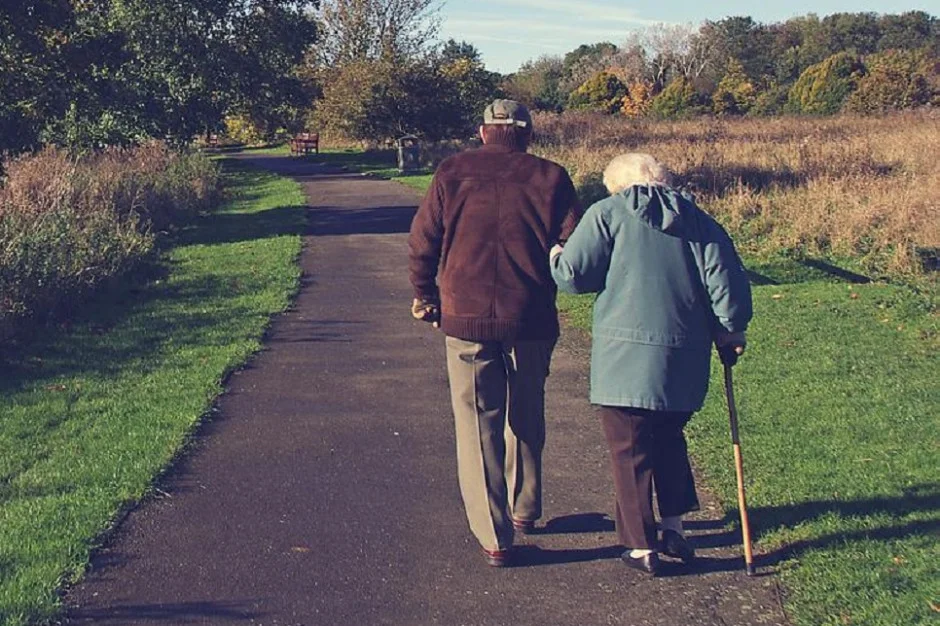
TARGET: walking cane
(738,463)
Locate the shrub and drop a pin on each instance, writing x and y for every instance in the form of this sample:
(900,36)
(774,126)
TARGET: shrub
(735,95)
(678,100)
(824,87)
(896,79)
(240,129)
(601,92)
(638,99)
(771,100)
(69,226)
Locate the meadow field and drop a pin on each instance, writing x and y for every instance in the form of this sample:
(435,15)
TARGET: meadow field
(861,189)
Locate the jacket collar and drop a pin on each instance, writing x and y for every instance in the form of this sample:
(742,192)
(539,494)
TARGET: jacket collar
(497,147)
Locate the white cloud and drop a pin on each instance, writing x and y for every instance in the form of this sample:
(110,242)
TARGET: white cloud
(489,27)
(594,11)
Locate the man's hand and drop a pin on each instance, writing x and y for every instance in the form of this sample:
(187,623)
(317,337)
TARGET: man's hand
(730,346)
(427,311)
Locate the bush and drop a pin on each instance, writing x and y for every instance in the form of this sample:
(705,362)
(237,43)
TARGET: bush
(637,101)
(678,100)
(69,226)
(896,79)
(602,92)
(769,101)
(735,95)
(823,88)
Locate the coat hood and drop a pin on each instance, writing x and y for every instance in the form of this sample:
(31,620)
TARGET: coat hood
(660,208)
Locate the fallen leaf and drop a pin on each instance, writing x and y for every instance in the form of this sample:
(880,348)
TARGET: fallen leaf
(898,560)
(777,296)
(54,387)
(301,549)
(854,295)
(934,606)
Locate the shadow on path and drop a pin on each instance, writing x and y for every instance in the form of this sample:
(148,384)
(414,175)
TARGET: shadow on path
(181,613)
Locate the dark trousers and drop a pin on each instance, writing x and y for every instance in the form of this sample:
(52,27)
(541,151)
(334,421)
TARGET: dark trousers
(647,446)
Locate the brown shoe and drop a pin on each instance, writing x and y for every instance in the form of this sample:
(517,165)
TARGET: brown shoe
(524,526)
(497,558)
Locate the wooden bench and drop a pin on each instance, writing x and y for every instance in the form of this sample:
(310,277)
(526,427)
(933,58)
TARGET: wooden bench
(305,143)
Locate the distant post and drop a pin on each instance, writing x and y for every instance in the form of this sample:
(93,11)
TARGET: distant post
(409,154)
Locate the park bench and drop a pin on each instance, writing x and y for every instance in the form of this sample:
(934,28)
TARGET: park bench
(305,143)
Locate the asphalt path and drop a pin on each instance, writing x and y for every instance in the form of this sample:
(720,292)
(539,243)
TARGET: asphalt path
(323,489)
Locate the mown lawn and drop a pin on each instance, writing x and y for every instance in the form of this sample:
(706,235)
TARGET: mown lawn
(839,409)
(90,416)
(382,163)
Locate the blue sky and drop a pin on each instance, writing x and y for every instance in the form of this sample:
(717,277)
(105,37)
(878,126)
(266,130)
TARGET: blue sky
(510,32)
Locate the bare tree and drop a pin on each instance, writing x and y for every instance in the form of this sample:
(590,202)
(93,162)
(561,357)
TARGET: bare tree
(672,49)
(363,30)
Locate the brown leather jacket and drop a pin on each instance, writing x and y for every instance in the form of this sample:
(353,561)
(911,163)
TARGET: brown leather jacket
(486,225)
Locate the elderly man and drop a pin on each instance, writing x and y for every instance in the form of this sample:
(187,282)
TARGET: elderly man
(479,266)
(670,284)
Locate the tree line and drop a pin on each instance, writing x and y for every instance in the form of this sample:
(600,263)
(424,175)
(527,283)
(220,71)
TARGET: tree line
(93,73)
(861,62)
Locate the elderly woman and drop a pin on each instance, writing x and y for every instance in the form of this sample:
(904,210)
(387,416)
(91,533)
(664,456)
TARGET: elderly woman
(669,284)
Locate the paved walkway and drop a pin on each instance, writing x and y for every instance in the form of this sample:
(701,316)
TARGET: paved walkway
(324,489)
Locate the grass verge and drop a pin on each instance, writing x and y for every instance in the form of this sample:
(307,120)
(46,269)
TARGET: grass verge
(88,418)
(837,399)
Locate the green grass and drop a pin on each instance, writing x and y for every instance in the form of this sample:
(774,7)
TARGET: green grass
(89,417)
(380,163)
(838,404)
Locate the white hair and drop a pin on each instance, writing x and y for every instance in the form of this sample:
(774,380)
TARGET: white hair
(635,168)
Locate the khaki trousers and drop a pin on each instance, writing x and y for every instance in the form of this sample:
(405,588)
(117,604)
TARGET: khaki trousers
(498,395)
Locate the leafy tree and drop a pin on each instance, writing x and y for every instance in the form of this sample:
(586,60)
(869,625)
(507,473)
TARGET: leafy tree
(467,87)
(735,94)
(584,62)
(377,100)
(908,31)
(896,79)
(743,39)
(270,44)
(537,84)
(588,52)
(824,87)
(602,92)
(798,43)
(34,37)
(454,50)
(852,32)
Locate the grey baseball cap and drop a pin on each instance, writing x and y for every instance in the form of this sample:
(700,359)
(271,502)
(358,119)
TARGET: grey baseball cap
(507,112)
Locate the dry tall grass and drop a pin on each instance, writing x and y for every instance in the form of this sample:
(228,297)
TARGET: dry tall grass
(847,186)
(68,226)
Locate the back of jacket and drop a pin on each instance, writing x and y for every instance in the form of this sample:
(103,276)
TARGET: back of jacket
(480,242)
(668,279)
